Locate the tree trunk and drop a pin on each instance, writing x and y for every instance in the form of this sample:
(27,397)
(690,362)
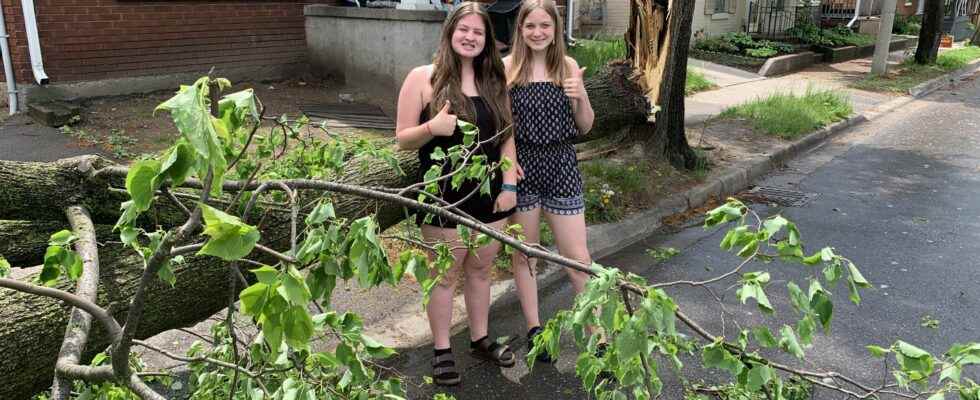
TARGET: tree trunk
(32,205)
(931,32)
(657,41)
(617,100)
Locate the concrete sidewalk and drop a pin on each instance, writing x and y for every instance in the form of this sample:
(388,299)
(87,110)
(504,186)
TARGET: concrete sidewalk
(737,87)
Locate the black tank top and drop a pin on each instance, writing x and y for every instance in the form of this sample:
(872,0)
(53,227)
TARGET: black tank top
(479,206)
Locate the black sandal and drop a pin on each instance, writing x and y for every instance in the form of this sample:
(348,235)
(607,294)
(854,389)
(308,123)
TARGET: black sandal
(543,356)
(444,370)
(488,350)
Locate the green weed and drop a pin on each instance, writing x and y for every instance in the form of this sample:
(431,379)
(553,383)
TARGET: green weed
(609,188)
(789,115)
(595,54)
(696,82)
(909,74)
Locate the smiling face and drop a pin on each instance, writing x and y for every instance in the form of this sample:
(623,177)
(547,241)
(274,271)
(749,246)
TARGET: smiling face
(469,37)
(538,30)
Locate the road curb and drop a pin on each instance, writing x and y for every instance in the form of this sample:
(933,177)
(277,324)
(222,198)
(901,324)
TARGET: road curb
(924,88)
(412,330)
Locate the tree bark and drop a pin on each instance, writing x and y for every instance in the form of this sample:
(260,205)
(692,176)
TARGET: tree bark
(34,197)
(617,100)
(931,32)
(658,39)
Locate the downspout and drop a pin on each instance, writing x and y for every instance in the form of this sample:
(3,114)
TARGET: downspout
(34,42)
(570,22)
(8,69)
(857,11)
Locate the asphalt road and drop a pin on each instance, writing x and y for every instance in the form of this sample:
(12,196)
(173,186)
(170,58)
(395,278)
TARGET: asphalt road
(899,195)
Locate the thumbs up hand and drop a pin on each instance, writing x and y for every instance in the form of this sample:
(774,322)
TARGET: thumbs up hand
(444,123)
(575,85)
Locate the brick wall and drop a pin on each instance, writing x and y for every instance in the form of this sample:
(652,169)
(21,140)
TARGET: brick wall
(99,39)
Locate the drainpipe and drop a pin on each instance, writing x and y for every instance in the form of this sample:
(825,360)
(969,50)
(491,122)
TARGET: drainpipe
(570,20)
(8,70)
(34,42)
(857,11)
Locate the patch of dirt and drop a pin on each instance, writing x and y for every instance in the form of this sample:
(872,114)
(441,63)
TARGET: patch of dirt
(125,126)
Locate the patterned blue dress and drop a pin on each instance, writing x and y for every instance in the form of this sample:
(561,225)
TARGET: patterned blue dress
(545,127)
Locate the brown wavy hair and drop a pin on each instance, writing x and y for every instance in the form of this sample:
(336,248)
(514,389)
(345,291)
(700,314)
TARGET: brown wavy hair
(488,72)
(558,69)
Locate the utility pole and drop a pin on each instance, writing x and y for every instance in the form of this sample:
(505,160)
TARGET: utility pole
(879,64)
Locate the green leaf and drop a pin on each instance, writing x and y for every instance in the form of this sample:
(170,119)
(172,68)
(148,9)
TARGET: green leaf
(253,298)
(833,271)
(298,327)
(61,238)
(192,117)
(179,161)
(789,343)
(166,274)
(821,304)
(877,352)
(758,377)
(811,260)
(773,225)
(763,336)
(4,267)
(716,356)
(630,343)
(266,274)
(950,372)
(294,288)
(230,238)
(856,276)
(321,213)
(938,396)
(52,265)
(749,249)
(141,183)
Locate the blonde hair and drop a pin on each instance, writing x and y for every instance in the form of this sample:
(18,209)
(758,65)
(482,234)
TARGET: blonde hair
(557,67)
(488,69)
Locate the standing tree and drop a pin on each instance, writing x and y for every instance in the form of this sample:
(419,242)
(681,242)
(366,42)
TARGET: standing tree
(657,41)
(931,32)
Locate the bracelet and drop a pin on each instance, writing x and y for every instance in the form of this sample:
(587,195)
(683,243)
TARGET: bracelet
(508,187)
(427,130)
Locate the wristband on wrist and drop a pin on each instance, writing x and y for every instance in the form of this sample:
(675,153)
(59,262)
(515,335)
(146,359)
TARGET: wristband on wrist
(508,187)
(427,130)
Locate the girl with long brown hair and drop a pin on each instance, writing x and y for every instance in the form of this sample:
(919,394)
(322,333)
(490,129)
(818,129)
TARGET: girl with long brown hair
(466,80)
(550,108)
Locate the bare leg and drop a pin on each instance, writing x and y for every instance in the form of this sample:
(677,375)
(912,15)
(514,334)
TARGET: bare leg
(476,288)
(570,236)
(527,285)
(440,309)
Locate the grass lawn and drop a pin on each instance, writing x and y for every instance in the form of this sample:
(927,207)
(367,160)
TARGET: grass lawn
(789,115)
(595,54)
(909,74)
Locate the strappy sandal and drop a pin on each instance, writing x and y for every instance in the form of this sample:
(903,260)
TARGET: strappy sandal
(444,370)
(494,352)
(543,356)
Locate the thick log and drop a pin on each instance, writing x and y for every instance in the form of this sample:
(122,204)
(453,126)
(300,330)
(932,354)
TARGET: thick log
(34,195)
(617,100)
(23,243)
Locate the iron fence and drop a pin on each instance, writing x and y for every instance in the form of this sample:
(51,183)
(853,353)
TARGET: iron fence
(771,18)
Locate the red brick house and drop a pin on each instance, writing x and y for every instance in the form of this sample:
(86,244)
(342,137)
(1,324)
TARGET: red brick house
(105,40)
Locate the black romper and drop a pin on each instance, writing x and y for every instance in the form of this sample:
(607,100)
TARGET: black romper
(545,129)
(479,206)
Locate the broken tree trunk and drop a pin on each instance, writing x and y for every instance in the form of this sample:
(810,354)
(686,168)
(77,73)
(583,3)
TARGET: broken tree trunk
(32,205)
(657,43)
(619,103)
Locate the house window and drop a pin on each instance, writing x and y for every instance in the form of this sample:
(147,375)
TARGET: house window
(719,7)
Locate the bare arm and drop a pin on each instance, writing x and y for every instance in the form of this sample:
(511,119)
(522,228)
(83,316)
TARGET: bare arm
(509,149)
(409,133)
(581,107)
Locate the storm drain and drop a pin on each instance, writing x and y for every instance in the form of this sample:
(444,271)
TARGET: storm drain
(783,197)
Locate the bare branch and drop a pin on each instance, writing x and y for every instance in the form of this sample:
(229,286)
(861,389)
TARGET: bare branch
(99,313)
(79,324)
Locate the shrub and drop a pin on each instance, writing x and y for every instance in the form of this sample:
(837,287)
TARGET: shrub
(810,33)
(761,52)
(717,44)
(907,25)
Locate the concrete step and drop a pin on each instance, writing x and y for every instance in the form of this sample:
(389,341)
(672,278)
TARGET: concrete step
(53,113)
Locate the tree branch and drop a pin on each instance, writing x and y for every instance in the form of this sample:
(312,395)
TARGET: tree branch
(80,322)
(99,313)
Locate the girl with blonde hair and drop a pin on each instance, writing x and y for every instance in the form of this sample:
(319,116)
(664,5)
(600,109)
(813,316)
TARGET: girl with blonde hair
(550,107)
